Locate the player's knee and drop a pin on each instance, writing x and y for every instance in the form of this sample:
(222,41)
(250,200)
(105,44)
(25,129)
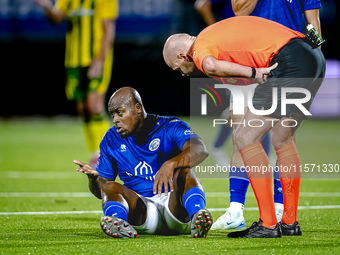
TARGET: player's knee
(185,177)
(95,105)
(280,138)
(95,109)
(111,187)
(241,139)
(235,148)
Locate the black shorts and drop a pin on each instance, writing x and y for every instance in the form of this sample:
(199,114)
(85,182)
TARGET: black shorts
(300,66)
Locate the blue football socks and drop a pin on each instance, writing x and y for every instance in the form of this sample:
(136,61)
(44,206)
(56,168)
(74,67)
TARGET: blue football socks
(194,200)
(116,209)
(238,185)
(266,143)
(278,197)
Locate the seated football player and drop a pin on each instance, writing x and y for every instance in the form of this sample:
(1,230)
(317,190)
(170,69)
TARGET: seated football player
(153,156)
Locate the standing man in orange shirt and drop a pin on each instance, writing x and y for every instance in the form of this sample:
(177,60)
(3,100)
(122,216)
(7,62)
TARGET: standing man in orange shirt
(257,48)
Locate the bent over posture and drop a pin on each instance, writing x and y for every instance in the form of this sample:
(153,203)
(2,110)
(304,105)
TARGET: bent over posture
(153,156)
(280,60)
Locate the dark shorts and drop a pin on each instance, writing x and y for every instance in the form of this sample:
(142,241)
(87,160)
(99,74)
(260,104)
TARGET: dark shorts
(300,66)
(78,83)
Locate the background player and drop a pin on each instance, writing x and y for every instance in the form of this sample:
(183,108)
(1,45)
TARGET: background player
(88,59)
(287,13)
(216,52)
(208,13)
(151,154)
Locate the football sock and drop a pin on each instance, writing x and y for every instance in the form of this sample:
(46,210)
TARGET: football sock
(266,143)
(254,156)
(288,157)
(278,197)
(94,130)
(116,209)
(222,136)
(238,185)
(194,200)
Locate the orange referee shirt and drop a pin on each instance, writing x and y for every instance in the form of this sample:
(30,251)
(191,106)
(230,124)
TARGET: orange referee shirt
(245,40)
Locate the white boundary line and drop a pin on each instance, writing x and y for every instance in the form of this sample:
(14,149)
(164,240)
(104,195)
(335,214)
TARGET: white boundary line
(313,207)
(88,194)
(210,209)
(73,174)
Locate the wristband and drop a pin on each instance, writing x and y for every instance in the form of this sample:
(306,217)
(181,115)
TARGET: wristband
(253,73)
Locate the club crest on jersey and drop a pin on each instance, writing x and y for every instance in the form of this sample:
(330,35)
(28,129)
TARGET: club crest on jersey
(154,144)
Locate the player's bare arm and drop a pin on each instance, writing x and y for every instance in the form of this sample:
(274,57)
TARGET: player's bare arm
(193,153)
(54,16)
(95,181)
(312,17)
(221,68)
(204,8)
(97,64)
(243,7)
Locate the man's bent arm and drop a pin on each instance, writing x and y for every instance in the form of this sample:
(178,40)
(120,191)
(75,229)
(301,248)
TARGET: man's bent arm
(220,68)
(243,7)
(96,183)
(193,153)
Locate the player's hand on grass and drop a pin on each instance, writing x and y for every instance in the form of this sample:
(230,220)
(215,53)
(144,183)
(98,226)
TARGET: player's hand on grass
(95,69)
(164,176)
(263,73)
(85,168)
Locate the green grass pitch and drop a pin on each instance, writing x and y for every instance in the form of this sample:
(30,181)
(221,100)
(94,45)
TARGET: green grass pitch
(37,175)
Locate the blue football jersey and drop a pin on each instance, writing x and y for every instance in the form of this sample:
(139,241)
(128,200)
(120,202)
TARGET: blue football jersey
(285,12)
(138,158)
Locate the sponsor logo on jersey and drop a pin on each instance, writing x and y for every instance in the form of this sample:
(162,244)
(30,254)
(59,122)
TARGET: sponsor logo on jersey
(129,174)
(188,132)
(175,120)
(154,144)
(81,12)
(122,147)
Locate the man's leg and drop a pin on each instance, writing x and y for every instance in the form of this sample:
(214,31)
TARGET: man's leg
(238,186)
(121,207)
(248,142)
(96,123)
(187,203)
(290,176)
(256,161)
(218,147)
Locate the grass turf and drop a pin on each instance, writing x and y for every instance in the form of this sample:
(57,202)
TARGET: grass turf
(36,156)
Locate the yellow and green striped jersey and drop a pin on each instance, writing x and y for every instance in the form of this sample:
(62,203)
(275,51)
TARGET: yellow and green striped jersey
(84,28)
